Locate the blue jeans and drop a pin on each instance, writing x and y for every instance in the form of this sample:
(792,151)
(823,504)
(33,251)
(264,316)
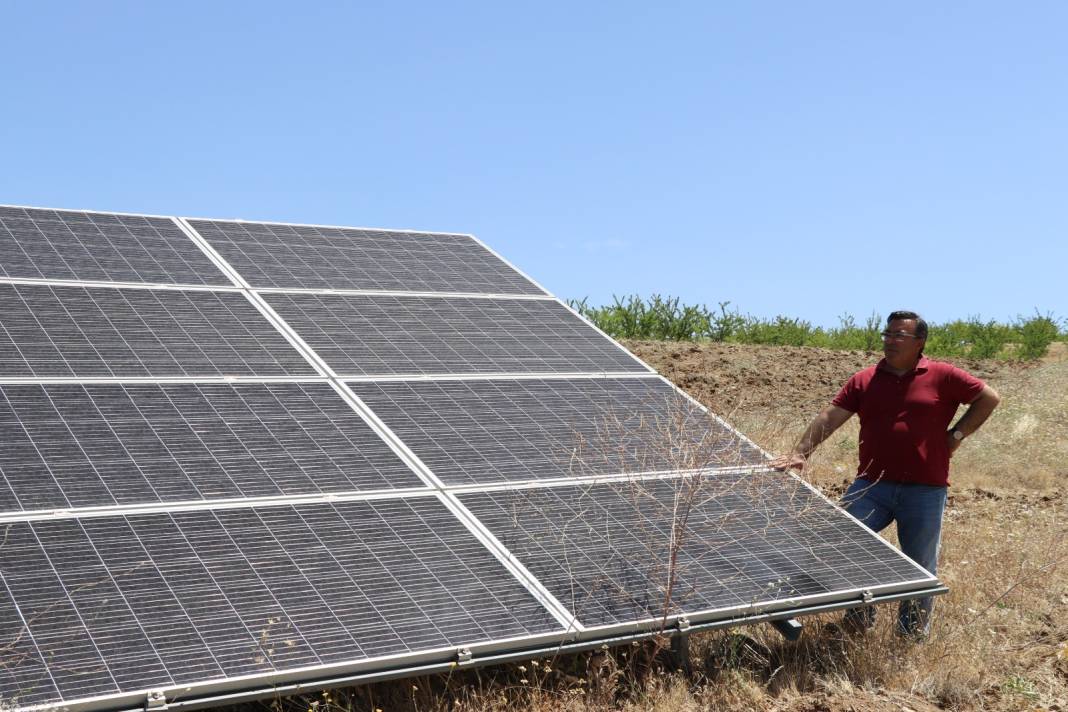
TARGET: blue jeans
(918,512)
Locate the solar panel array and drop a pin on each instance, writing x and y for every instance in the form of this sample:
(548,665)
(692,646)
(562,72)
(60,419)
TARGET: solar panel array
(234,454)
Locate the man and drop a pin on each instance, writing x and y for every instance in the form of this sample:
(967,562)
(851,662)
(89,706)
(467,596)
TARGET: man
(906,403)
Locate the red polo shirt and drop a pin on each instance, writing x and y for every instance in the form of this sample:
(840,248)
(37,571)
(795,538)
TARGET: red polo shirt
(904,419)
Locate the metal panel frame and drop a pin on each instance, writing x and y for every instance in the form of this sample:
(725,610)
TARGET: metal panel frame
(161,380)
(197,505)
(93,212)
(508,376)
(397,293)
(93,284)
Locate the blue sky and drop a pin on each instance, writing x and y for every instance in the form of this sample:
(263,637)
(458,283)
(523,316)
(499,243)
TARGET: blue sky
(808,159)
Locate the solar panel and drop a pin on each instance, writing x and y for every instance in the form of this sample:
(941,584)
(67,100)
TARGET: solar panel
(310,257)
(95,445)
(361,335)
(486,431)
(50,331)
(738,541)
(112,605)
(53,244)
(187,504)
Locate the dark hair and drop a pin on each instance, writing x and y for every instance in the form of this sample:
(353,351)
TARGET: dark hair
(921,325)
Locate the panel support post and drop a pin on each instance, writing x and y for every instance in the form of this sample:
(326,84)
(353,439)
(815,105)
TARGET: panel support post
(680,646)
(789,627)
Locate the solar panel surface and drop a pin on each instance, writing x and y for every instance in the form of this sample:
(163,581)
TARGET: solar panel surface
(606,550)
(108,332)
(487,431)
(310,257)
(94,445)
(362,335)
(105,605)
(171,587)
(60,244)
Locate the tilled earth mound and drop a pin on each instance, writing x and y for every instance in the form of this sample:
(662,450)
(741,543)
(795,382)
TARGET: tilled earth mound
(786,383)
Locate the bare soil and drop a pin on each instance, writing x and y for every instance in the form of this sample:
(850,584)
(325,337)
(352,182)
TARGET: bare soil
(790,383)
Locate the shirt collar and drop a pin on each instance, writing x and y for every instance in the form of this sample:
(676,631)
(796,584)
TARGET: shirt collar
(921,365)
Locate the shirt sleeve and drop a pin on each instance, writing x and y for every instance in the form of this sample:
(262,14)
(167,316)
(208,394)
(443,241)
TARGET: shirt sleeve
(962,386)
(849,396)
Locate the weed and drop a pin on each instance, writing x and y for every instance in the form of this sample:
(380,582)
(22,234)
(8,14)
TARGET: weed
(1021,686)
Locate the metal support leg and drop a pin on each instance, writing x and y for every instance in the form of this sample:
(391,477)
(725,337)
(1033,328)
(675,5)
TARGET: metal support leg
(680,651)
(789,627)
(680,647)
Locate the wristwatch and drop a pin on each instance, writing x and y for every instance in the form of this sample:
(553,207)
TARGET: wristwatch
(957,435)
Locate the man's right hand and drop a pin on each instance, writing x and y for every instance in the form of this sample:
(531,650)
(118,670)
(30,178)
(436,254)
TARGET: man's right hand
(793,461)
(829,420)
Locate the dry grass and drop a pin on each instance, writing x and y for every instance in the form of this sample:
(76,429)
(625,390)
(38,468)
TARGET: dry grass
(999,640)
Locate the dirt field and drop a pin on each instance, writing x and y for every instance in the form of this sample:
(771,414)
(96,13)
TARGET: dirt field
(1000,638)
(783,383)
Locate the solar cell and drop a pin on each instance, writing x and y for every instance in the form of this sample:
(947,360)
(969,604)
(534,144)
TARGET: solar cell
(361,335)
(85,332)
(109,444)
(480,432)
(102,606)
(51,244)
(309,257)
(638,550)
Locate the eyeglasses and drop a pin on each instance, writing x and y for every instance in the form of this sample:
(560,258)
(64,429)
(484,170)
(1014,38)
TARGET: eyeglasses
(897,336)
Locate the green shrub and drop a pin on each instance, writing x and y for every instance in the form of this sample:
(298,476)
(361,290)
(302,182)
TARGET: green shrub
(726,324)
(665,318)
(780,331)
(1034,335)
(662,318)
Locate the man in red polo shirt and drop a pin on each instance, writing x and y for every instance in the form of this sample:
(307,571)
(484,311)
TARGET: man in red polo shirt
(906,403)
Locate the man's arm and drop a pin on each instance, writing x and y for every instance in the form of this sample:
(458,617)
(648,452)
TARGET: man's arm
(976,414)
(830,419)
